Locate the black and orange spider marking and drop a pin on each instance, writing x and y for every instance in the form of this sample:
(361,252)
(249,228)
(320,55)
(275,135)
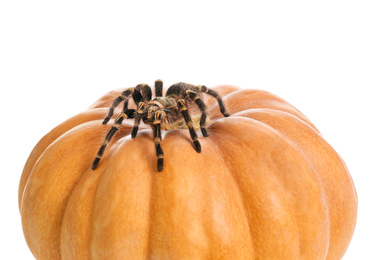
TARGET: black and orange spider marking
(163,113)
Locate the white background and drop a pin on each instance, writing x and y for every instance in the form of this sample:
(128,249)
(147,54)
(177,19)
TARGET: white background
(58,57)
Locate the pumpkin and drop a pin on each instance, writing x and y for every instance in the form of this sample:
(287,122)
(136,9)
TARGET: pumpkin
(266,186)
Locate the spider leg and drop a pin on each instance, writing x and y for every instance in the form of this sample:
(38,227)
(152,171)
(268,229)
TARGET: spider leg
(194,96)
(139,115)
(158,88)
(124,96)
(184,110)
(131,113)
(146,92)
(158,137)
(109,136)
(204,89)
(141,93)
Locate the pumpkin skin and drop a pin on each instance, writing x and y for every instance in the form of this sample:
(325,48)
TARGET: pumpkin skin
(266,186)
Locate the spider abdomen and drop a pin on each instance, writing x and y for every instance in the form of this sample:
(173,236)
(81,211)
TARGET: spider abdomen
(179,89)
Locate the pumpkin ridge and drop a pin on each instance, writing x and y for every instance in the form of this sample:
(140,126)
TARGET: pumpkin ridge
(216,145)
(213,244)
(276,111)
(322,200)
(87,174)
(241,187)
(87,171)
(40,154)
(315,160)
(114,180)
(101,172)
(310,176)
(58,167)
(69,201)
(149,216)
(255,99)
(297,147)
(50,137)
(82,177)
(291,141)
(227,164)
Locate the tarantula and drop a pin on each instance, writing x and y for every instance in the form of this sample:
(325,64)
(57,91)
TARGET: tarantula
(169,112)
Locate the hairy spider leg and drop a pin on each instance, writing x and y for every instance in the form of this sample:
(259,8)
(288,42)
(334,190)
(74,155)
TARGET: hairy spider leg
(109,136)
(146,92)
(124,96)
(138,117)
(194,96)
(204,89)
(126,113)
(184,110)
(158,137)
(158,88)
(146,95)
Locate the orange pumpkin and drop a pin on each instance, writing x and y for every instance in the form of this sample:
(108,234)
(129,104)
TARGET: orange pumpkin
(266,186)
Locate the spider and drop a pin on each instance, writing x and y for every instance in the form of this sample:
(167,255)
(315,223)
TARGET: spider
(169,112)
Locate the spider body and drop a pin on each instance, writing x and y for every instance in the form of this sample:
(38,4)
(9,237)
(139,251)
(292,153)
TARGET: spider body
(181,107)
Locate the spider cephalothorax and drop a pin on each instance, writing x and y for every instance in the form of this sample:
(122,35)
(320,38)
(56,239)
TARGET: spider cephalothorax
(169,112)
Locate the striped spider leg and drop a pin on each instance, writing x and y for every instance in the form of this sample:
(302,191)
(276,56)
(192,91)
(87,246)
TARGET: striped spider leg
(126,113)
(156,125)
(117,123)
(193,95)
(158,86)
(184,110)
(146,93)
